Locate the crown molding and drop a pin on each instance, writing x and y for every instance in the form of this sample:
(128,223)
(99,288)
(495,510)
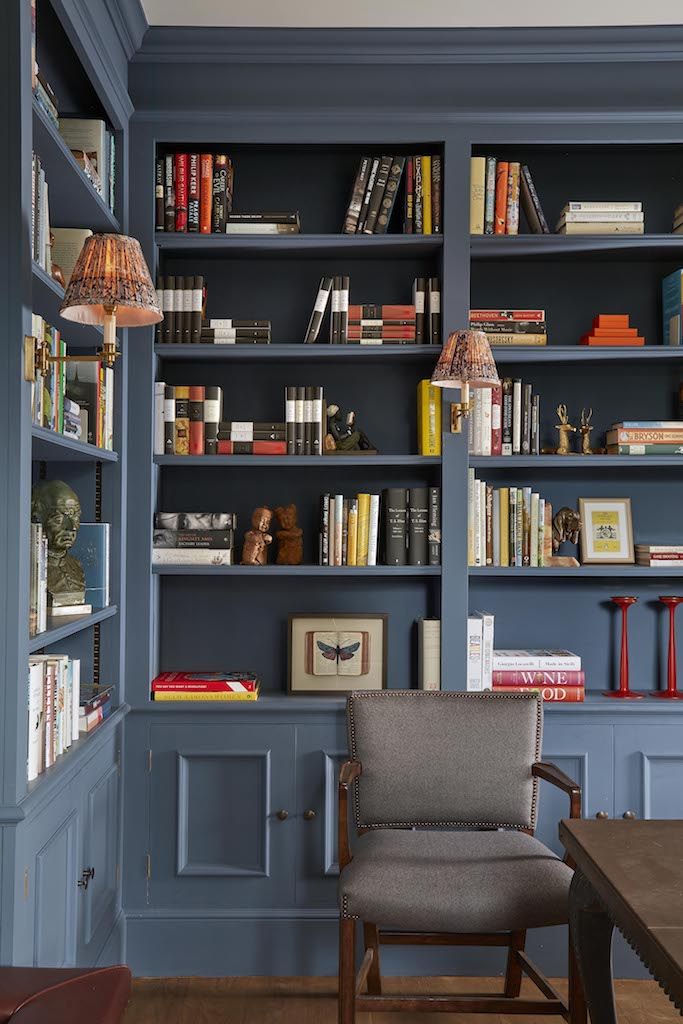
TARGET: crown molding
(129,20)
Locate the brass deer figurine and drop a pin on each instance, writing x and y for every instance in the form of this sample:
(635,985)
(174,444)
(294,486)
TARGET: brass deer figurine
(585,430)
(565,428)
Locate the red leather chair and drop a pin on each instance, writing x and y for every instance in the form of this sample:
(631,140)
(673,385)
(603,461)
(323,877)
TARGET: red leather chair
(46,995)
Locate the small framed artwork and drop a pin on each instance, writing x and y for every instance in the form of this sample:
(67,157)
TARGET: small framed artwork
(606,531)
(333,654)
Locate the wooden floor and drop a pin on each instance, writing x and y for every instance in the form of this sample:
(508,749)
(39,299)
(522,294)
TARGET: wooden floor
(313,1001)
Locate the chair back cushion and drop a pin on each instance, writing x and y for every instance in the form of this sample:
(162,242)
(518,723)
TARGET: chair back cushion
(445,758)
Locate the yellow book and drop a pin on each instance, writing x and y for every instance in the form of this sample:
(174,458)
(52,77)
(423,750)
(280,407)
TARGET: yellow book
(477,194)
(363,529)
(352,541)
(205,695)
(426,195)
(181,445)
(428,418)
(504,524)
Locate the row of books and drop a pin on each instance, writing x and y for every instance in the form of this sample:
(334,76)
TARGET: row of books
(376,188)
(511,326)
(409,534)
(193,192)
(93,146)
(497,188)
(505,420)
(375,323)
(507,526)
(208,686)
(40,216)
(194,538)
(645,437)
(598,218)
(556,675)
(662,556)
(92,550)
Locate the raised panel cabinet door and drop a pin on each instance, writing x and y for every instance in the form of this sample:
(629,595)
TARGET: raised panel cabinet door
(648,765)
(320,750)
(222,816)
(101,828)
(54,879)
(584,750)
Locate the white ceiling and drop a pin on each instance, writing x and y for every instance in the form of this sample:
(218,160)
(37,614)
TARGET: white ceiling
(411,13)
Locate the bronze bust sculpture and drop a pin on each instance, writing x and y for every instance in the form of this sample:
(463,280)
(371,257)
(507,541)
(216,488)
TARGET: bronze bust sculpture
(56,506)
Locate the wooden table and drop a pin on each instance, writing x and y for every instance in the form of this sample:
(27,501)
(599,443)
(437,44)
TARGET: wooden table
(629,874)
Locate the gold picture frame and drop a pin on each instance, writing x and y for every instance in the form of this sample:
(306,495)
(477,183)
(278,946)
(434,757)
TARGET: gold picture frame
(332,655)
(606,536)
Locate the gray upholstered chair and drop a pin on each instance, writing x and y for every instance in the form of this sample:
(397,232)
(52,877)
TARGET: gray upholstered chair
(445,798)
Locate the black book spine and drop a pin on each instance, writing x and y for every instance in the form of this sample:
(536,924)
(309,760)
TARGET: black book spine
(290,419)
(390,193)
(395,505)
(159,215)
(418,519)
(193,192)
(169,193)
(188,291)
(169,419)
(434,526)
(507,417)
(318,311)
(308,421)
(356,200)
(159,328)
(334,308)
(531,204)
(196,311)
(434,302)
(317,416)
(209,539)
(299,404)
(419,301)
(219,209)
(344,310)
(526,420)
(178,307)
(377,193)
(212,416)
(168,333)
(374,166)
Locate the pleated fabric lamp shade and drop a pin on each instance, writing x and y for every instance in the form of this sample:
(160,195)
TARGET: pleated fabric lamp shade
(111,278)
(466,361)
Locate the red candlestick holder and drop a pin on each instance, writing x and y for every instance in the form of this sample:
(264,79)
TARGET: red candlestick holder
(671,692)
(624,693)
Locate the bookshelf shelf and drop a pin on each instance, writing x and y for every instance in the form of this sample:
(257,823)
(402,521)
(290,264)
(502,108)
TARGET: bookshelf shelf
(286,571)
(296,461)
(569,247)
(581,572)
(304,246)
(47,296)
(584,354)
(49,446)
(69,627)
(73,200)
(587,462)
(298,353)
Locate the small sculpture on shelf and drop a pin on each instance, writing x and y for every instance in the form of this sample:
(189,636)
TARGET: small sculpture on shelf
(565,429)
(290,539)
(55,269)
(343,434)
(57,507)
(585,430)
(566,527)
(256,540)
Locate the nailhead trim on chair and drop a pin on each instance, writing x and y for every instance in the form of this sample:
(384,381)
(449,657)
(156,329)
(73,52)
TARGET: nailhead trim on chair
(442,695)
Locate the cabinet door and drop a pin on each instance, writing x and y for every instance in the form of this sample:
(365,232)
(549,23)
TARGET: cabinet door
(100,820)
(222,816)
(649,769)
(321,749)
(584,750)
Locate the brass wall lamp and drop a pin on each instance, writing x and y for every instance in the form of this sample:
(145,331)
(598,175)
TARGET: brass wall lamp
(466,361)
(110,282)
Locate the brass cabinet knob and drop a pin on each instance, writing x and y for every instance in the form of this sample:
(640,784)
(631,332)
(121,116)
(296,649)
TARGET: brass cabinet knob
(602,815)
(87,875)
(309,815)
(282,815)
(629,815)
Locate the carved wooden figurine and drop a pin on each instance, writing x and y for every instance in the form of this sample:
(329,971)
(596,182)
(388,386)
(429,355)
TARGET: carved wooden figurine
(565,428)
(256,540)
(290,539)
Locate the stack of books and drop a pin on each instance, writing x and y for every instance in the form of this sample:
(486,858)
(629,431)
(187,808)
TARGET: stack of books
(93,146)
(252,438)
(672,308)
(505,420)
(660,556)
(612,329)
(497,189)
(206,686)
(53,709)
(95,706)
(376,187)
(194,538)
(193,192)
(595,218)
(645,437)
(511,326)
(556,675)
(429,399)
(226,331)
(381,325)
(480,626)
(40,217)
(507,526)
(373,323)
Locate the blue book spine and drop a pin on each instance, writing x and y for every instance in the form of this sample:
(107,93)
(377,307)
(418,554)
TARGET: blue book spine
(672,308)
(92,551)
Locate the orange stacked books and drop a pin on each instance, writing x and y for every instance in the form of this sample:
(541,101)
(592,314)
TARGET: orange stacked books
(612,329)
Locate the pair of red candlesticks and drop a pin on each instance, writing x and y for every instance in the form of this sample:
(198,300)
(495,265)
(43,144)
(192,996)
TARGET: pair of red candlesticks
(624,692)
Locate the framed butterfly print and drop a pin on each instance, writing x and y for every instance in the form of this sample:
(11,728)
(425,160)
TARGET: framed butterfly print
(332,654)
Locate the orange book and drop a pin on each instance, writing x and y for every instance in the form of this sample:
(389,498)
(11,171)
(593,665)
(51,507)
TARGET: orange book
(205,192)
(615,332)
(500,209)
(611,320)
(196,408)
(590,339)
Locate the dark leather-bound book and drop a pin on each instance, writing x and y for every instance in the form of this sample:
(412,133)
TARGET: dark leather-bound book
(318,311)
(344,286)
(169,193)
(395,504)
(418,520)
(434,304)
(168,310)
(180,170)
(409,196)
(390,192)
(378,190)
(159,195)
(290,419)
(212,416)
(420,303)
(357,193)
(169,419)
(374,167)
(196,312)
(434,526)
(531,204)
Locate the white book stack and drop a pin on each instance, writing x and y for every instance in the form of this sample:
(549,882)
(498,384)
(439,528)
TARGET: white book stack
(480,629)
(601,218)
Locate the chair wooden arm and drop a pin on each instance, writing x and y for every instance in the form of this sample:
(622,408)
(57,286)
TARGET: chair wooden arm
(551,773)
(348,772)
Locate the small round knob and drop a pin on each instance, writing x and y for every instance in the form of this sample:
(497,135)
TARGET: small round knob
(602,815)
(309,815)
(629,815)
(282,815)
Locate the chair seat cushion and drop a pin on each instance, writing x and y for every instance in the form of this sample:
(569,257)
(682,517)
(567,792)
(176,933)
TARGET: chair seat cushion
(454,881)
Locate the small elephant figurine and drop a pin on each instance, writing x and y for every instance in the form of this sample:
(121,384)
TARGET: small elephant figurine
(256,540)
(566,526)
(290,538)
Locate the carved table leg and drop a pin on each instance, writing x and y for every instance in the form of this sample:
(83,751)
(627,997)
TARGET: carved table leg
(591,931)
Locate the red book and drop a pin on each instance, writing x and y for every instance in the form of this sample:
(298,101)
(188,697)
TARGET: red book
(497,420)
(181,191)
(533,677)
(372,311)
(205,193)
(209,682)
(252,447)
(193,192)
(196,410)
(501,205)
(554,694)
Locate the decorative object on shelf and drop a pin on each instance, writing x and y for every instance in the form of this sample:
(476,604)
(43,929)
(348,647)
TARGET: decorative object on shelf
(256,540)
(672,692)
(56,271)
(612,330)
(57,507)
(332,654)
(624,692)
(606,531)
(290,538)
(585,430)
(566,527)
(343,435)
(565,429)
(466,361)
(110,281)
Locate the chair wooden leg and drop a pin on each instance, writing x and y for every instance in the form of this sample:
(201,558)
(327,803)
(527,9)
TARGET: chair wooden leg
(576,998)
(513,970)
(347,970)
(371,940)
